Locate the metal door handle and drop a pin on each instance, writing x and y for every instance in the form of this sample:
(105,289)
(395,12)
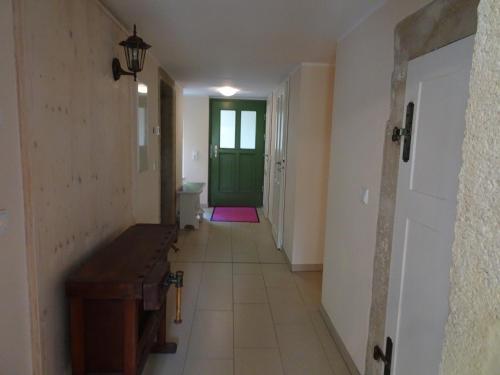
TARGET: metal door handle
(385,358)
(215,151)
(397,133)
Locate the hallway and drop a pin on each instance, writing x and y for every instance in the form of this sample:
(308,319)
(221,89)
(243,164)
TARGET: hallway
(244,312)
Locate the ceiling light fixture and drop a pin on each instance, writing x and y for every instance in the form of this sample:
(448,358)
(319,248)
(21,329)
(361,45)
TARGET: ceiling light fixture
(227,90)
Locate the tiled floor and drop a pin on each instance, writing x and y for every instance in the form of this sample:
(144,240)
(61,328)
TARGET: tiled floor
(244,312)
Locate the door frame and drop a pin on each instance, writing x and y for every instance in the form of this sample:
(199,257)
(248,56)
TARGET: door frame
(167,117)
(434,26)
(267,156)
(210,128)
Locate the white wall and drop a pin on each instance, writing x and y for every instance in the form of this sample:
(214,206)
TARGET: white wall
(364,66)
(308,152)
(195,139)
(15,342)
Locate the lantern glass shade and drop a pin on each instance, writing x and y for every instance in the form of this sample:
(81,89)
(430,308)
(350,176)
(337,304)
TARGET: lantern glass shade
(135,52)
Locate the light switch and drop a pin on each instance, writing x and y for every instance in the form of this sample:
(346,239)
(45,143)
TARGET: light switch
(156,130)
(195,155)
(365,196)
(4,220)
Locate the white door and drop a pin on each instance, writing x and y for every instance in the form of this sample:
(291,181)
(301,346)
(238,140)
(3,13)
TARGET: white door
(278,165)
(438,86)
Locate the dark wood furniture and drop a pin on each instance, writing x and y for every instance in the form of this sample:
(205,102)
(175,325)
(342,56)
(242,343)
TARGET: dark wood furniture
(118,303)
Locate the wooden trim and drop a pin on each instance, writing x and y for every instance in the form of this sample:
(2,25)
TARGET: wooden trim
(112,17)
(306,267)
(168,151)
(23,98)
(164,76)
(351,366)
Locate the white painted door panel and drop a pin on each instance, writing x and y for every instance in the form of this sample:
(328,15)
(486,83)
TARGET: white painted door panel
(278,163)
(437,84)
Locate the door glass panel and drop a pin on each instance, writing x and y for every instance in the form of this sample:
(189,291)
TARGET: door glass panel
(142,127)
(227,129)
(248,129)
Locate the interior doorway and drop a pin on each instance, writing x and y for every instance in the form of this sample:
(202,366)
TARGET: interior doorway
(167,151)
(236,165)
(436,96)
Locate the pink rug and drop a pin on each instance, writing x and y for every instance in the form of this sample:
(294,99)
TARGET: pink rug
(235,214)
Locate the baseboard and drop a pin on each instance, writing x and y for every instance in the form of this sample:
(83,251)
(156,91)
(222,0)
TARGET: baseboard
(302,267)
(306,267)
(340,343)
(286,258)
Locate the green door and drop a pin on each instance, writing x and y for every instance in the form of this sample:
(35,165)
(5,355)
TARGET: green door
(237,130)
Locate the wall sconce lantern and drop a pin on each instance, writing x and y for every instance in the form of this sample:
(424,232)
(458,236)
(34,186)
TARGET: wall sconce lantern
(135,53)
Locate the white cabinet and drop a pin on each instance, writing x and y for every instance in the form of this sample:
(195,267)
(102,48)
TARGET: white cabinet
(190,211)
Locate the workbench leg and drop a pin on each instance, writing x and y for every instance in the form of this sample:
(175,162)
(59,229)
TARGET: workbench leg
(77,336)
(162,331)
(162,346)
(130,337)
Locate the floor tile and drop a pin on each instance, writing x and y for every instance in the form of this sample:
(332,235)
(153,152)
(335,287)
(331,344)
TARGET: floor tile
(287,306)
(247,255)
(278,276)
(249,289)
(264,239)
(159,364)
(218,252)
(208,367)
(309,285)
(247,269)
(190,253)
(219,256)
(196,238)
(301,351)
(253,326)
(337,363)
(215,294)
(217,271)
(270,255)
(257,362)
(212,335)
(240,299)
(220,237)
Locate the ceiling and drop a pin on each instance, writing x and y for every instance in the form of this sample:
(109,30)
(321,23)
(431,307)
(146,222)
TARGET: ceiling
(248,44)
